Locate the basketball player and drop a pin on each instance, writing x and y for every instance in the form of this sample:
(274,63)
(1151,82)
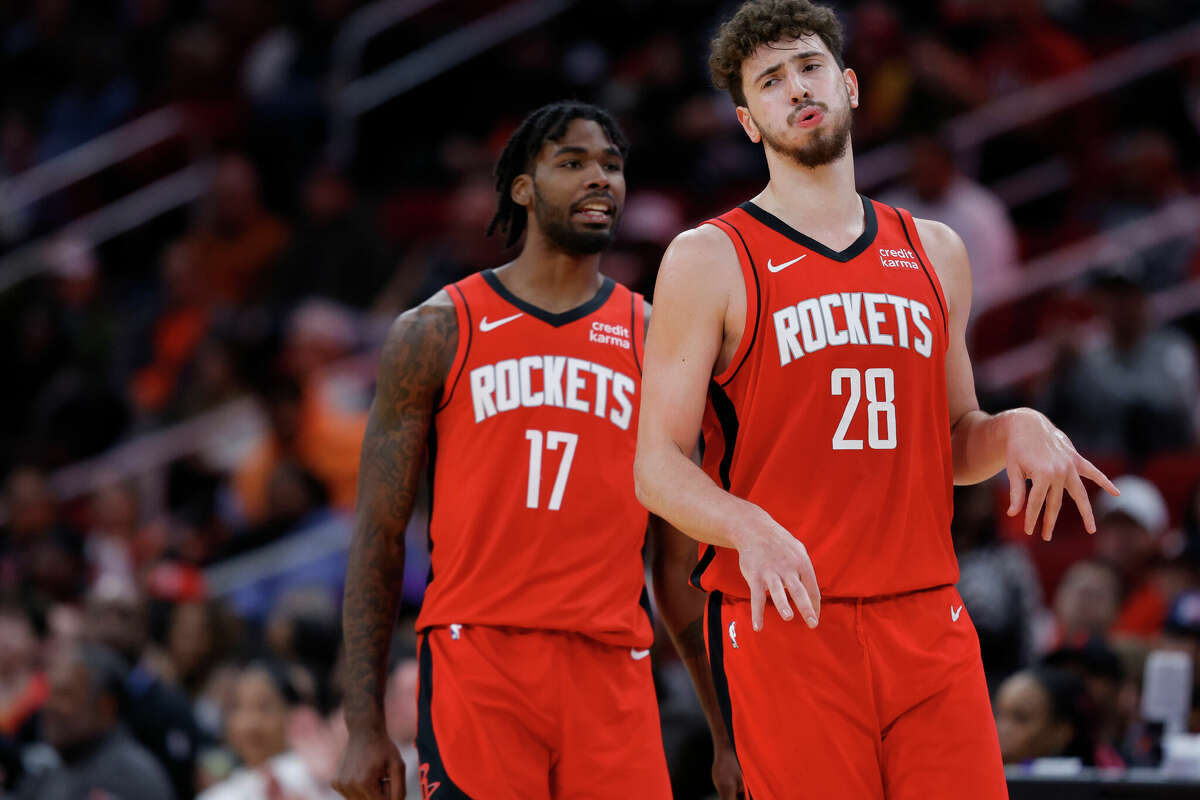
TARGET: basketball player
(816,338)
(521,385)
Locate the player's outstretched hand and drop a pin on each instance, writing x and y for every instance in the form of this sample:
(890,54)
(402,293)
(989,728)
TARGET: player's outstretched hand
(371,768)
(727,775)
(774,562)
(1043,454)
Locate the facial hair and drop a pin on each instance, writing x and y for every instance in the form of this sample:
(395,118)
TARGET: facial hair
(821,149)
(555,223)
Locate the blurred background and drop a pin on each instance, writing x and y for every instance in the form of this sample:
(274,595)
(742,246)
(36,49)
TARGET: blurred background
(210,211)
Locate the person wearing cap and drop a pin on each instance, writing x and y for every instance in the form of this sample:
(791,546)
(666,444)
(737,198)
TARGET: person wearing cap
(1129,530)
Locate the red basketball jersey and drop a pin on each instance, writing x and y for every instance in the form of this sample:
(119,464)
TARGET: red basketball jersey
(534,522)
(832,415)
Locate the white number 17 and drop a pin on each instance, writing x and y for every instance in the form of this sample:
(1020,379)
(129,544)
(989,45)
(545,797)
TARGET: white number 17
(552,439)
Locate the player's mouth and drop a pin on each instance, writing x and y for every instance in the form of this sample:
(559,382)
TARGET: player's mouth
(595,211)
(809,117)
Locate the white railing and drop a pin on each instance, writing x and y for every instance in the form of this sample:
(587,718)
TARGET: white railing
(119,216)
(464,43)
(1022,107)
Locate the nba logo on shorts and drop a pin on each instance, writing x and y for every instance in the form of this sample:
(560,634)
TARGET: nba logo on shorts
(733,634)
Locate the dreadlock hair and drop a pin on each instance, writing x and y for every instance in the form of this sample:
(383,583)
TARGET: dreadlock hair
(547,123)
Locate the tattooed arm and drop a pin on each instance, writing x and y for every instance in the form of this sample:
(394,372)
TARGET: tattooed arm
(413,366)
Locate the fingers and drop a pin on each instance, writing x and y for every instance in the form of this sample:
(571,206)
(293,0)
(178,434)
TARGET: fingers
(1078,493)
(1088,470)
(1037,495)
(757,601)
(779,597)
(1016,491)
(808,576)
(395,784)
(1053,504)
(800,597)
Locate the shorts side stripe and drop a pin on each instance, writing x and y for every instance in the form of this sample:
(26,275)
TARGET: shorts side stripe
(432,770)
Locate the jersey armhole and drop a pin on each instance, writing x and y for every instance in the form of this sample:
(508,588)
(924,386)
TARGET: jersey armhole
(753,300)
(914,238)
(637,327)
(462,312)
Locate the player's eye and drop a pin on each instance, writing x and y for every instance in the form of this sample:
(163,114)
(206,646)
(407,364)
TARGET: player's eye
(809,67)
(770,82)
(613,167)
(572,164)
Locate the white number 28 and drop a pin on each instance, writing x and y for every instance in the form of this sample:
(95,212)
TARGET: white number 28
(878,407)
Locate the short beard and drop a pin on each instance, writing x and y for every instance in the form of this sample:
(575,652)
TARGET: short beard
(822,150)
(555,224)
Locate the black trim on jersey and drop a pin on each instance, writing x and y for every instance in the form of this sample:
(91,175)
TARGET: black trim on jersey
(716,662)
(870,229)
(634,298)
(557,320)
(727,417)
(427,746)
(430,466)
(757,305)
(936,295)
(470,327)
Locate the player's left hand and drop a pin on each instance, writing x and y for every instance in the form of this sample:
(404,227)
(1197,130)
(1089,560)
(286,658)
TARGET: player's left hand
(1041,453)
(727,774)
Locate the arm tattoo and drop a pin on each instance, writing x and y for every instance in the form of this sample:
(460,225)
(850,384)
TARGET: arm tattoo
(413,365)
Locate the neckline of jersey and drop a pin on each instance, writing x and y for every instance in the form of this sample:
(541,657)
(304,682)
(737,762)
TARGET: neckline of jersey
(550,318)
(870,229)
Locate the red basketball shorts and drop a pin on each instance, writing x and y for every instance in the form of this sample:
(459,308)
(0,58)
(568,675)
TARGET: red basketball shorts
(507,714)
(885,698)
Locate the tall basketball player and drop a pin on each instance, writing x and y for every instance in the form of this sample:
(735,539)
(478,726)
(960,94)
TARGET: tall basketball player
(816,338)
(521,385)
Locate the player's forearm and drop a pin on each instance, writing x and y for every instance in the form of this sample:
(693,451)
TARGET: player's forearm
(671,486)
(979,441)
(682,611)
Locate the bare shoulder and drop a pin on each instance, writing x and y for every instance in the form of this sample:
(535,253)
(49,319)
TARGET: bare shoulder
(418,350)
(700,263)
(949,256)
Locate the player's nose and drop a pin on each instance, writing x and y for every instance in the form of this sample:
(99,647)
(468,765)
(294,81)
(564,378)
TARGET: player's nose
(596,176)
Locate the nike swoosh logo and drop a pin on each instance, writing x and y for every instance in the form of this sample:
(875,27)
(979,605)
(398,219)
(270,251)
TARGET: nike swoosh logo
(777,267)
(954,612)
(638,655)
(486,326)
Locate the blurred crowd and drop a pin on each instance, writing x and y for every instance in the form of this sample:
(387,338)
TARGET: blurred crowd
(172,620)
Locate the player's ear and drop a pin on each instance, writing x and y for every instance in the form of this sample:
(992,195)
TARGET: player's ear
(521,190)
(851,86)
(748,124)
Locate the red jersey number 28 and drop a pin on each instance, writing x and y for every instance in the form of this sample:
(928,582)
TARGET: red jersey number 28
(881,410)
(550,440)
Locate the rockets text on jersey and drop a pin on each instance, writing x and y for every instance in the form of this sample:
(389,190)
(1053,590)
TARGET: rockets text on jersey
(833,415)
(534,522)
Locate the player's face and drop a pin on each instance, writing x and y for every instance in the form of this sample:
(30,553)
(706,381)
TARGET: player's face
(798,101)
(577,189)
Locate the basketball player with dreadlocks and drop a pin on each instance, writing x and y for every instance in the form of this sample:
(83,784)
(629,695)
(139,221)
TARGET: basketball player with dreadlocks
(521,385)
(817,338)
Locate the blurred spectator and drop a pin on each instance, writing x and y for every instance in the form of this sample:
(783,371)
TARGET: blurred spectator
(1043,713)
(81,720)
(41,560)
(237,240)
(1149,178)
(400,711)
(336,252)
(997,582)
(157,714)
(257,731)
(99,97)
(23,685)
(112,543)
(1128,532)
(938,190)
(1135,394)
(181,325)
(1087,601)
(1095,663)
(314,437)
(1182,632)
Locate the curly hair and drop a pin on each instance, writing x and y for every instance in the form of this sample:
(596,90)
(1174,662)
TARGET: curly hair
(760,22)
(546,123)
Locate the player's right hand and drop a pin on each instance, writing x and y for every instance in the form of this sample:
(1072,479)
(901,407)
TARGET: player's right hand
(776,563)
(371,768)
